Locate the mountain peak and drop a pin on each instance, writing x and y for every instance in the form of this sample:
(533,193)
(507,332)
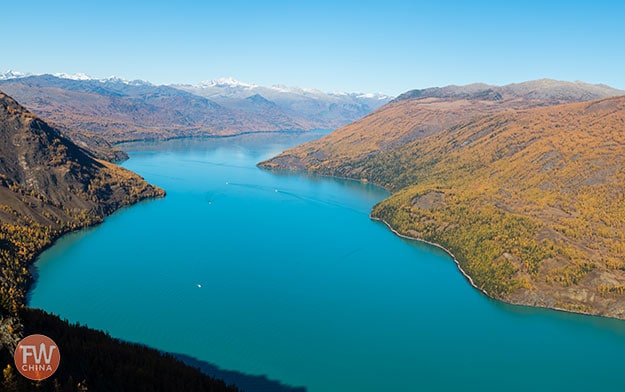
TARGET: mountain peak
(10,74)
(75,76)
(259,100)
(116,79)
(378,96)
(296,90)
(79,76)
(226,82)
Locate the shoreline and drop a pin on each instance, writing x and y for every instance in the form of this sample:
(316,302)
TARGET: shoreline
(157,139)
(261,166)
(31,264)
(453,257)
(466,276)
(472,283)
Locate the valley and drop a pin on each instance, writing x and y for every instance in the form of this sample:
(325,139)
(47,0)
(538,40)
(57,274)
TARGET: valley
(522,184)
(325,196)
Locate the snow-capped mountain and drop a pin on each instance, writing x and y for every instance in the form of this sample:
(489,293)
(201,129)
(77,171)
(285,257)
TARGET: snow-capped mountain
(328,110)
(115,79)
(119,109)
(76,76)
(377,96)
(248,89)
(228,82)
(10,74)
(13,75)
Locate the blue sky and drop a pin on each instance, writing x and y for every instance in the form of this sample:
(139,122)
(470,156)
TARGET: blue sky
(369,46)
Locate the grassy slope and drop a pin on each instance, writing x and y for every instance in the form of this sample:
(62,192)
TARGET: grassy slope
(392,125)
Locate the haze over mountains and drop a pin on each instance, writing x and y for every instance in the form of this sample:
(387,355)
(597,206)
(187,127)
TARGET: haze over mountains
(121,110)
(329,109)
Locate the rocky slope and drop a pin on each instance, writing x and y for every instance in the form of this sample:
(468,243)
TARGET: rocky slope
(530,202)
(48,186)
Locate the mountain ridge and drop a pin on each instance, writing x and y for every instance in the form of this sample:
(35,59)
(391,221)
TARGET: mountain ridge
(326,110)
(421,113)
(119,110)
(543,89)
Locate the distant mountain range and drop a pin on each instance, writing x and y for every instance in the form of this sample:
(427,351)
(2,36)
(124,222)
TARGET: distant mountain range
(523,183)
(548,90)
(329,109)
(119,110)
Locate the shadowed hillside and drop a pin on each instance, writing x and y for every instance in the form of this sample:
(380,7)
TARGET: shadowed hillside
(93,361)
(49,186)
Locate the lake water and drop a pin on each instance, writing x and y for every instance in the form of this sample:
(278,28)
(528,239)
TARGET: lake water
(286,276)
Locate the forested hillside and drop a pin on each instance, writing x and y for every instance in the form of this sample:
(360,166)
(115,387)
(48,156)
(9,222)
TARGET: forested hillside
(531,202)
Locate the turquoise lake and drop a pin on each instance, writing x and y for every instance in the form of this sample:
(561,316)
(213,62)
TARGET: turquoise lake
(286,276)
